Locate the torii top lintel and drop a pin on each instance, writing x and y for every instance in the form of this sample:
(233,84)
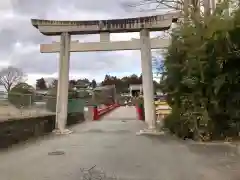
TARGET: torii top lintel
(153,23)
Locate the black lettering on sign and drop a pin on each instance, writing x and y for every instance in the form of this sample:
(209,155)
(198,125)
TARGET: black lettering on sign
(112,25)
(125,24)
(106,24)
(131,23)
(101,25)
(161,18)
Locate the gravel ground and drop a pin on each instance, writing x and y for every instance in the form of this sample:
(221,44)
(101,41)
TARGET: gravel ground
(10,112)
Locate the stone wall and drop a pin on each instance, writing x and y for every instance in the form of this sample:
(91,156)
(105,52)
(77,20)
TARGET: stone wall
(13,131)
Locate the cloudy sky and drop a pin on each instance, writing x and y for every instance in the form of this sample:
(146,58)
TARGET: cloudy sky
(19,41)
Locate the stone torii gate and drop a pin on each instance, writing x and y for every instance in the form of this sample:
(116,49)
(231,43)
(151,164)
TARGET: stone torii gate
(104,27)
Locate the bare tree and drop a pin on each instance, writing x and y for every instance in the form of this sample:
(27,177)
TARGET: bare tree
(11,76)
(185,6)
(150,5)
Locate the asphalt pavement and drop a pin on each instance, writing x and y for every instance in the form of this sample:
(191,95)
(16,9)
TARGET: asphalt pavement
(111,148)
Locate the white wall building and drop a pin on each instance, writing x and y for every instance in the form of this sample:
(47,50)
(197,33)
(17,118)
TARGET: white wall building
(135,89)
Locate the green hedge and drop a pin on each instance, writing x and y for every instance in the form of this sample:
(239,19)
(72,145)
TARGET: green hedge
(21,95)
(140,103)
(75,103)
(201,78)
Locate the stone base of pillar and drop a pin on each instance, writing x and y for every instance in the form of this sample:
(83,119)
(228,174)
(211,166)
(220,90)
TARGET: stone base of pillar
(154,132)
(62,132)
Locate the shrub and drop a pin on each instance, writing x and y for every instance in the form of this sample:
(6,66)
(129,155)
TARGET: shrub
(21,95)
(201,78)
(51,98)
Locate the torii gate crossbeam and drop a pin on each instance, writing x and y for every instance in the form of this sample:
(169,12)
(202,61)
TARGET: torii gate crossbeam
(156,43)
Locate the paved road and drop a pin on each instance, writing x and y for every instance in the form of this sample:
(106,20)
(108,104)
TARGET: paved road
(113,147)
(122,113)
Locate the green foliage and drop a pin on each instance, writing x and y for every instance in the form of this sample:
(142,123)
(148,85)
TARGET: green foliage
(201,78)
(140,101)
(104,96)
(93,83)
(51,99)
(21,95)
(52,94)
(41,84)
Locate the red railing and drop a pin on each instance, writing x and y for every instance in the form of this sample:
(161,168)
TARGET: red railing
(140,112)
(99,112)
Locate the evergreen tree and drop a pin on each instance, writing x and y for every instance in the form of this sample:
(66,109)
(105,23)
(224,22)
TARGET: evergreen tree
(41,84)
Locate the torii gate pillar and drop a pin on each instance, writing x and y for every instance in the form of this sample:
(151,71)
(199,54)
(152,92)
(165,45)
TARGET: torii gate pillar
(147,78)
(63,82)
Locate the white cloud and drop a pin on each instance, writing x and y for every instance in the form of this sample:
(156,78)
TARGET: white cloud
(4,64)
(6,5)
(19,40)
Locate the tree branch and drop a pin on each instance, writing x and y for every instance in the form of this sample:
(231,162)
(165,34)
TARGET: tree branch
(11,76)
